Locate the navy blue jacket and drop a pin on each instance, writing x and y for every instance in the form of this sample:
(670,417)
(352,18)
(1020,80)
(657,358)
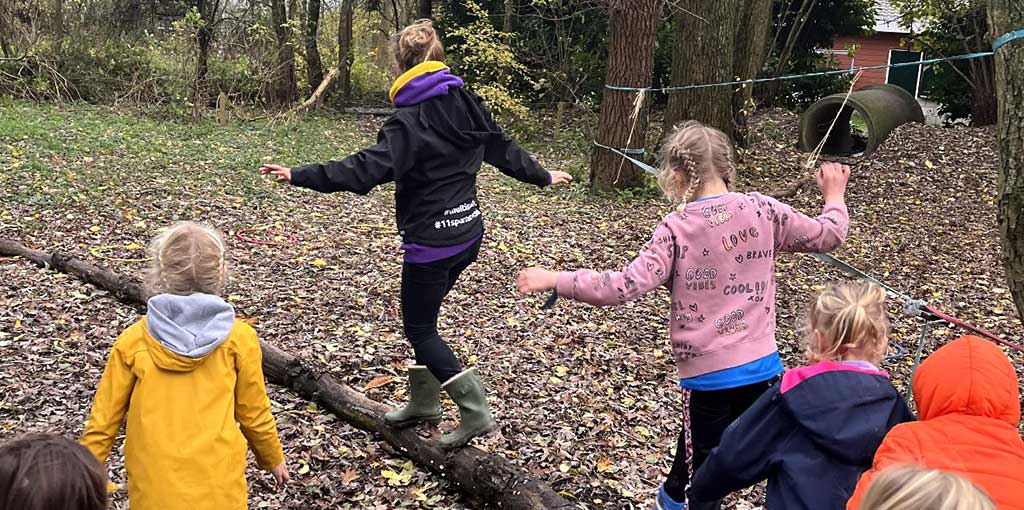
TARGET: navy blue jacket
(811,436)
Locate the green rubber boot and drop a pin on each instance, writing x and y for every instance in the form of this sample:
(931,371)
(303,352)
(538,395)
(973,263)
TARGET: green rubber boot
(424,400)
(475,419)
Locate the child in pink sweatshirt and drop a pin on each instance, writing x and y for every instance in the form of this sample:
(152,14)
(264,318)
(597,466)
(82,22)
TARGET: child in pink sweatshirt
(716,255)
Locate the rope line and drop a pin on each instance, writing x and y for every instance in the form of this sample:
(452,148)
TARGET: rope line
(1005,38)
(852,70)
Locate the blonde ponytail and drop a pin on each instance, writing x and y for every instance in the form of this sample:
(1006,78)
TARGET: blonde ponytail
(848,319)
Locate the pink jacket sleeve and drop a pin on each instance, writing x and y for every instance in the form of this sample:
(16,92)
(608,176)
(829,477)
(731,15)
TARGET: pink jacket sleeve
(797,232)
(651,268)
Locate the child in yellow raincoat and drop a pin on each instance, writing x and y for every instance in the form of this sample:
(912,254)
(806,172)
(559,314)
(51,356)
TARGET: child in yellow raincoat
(189,377)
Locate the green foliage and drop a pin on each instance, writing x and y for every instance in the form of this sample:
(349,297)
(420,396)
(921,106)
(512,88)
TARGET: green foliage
(951,27)
(488,63)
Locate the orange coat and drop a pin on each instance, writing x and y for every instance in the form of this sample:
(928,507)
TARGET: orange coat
(969,404)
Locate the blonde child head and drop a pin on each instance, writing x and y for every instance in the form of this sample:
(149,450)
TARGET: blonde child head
(848,322)
(692,155)
(415,44)
(916,488)
(187,258)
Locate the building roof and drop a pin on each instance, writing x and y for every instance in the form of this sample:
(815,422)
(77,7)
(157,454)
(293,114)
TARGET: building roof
(888,19)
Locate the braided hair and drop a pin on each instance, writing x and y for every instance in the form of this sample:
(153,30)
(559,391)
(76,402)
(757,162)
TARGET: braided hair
(690,155)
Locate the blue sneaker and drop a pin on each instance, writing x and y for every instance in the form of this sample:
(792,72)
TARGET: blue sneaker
(665,502)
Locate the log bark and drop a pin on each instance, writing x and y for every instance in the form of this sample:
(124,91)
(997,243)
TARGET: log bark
(1005,16)
(699,56)
(482,476)
(631,40)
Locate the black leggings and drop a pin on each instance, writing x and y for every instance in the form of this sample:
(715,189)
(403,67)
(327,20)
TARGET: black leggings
(424,287)
(711,412)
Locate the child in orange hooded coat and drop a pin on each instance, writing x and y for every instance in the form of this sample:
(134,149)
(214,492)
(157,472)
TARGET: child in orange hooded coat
(969,402)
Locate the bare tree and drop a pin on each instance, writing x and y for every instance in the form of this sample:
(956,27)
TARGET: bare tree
(1004,16)
(751,49)
(632,34)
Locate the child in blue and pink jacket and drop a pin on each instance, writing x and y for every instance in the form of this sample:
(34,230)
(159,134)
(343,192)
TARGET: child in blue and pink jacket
(813,434)
(716,255)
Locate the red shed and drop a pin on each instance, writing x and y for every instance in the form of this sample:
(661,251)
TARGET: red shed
(886,44)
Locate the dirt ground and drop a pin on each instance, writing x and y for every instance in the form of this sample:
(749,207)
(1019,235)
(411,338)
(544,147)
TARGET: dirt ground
(585,398)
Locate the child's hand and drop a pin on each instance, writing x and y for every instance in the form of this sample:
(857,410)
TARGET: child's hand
(832,179)
(536,279)
(560,178)
(283,174)
(280,473)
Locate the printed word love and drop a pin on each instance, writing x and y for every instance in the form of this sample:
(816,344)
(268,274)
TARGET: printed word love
(732,241)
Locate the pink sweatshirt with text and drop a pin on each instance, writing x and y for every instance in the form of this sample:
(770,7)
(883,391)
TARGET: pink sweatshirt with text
(717,258)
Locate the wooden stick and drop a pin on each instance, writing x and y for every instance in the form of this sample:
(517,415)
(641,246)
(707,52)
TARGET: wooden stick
(482,476)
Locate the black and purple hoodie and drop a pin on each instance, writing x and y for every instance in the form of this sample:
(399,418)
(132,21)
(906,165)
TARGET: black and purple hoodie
(432,148)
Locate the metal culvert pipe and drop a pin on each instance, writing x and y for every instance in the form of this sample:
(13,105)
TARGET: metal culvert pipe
(882,107)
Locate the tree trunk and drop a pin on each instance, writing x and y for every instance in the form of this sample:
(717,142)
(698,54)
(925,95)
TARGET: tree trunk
(751,40)
(1004,16)
(204,37)
(345,50)
(58,20)
(698,56)
(484,477)
(508,21)
(314,67)
(283,87)
(426,9)
(632,31)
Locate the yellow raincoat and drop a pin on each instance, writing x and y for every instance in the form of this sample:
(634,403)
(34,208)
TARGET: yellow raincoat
(188,420)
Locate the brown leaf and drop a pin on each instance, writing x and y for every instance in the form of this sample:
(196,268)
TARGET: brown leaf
(349,475)
(378,381)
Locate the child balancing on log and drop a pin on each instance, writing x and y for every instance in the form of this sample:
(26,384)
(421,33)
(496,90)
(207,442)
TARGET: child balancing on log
(432,148)
(716,254)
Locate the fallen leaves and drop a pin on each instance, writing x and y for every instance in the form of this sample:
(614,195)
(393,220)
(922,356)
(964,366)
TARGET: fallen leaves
(377,382)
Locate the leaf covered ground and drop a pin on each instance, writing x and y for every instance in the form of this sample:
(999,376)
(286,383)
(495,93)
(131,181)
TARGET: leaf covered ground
(585,398)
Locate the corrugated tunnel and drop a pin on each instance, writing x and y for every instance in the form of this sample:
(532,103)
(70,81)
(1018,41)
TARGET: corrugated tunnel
(867,119)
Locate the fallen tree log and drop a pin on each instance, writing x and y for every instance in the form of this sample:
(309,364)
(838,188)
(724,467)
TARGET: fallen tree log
(318,95)
(482,476)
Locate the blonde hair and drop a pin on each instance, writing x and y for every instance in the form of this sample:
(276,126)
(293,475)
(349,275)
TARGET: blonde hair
(690,154)
(187,258)
(847,318)
(917,488)
(416,44)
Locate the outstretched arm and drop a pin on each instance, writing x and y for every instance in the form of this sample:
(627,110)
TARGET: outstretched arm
(360,172)
(512,160)
(797,232)
(651,268)
(109,406)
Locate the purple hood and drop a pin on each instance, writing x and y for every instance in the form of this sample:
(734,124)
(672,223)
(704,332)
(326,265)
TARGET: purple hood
(426,86)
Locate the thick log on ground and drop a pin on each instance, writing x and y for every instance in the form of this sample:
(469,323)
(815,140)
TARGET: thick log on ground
(483,477)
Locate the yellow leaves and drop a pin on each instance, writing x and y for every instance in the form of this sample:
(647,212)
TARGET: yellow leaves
(378,381)
(472,359)
(17,324)
(555,380)
(469,332)
(502,246)
(319,262)
(399,479)
(303,468)
(928,164)
(561,371)
(643,431)
(563,468)
(234,298)
(95,228)
(604,465)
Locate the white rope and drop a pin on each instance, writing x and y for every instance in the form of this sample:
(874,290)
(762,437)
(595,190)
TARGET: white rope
(812,159)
